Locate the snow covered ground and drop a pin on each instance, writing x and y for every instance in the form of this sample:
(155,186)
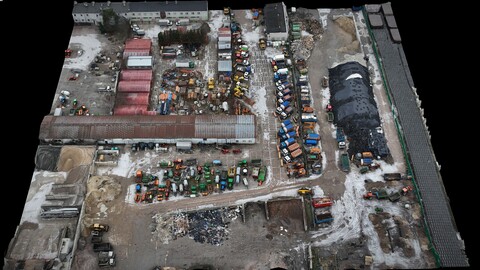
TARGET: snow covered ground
(125,167)
(350,214)
(90,45)
(260,106)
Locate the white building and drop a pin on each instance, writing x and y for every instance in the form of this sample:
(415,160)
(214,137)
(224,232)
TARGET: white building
(276,21)
(89,13)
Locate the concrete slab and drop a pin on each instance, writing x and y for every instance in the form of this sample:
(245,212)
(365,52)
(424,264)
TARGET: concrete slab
(387,9)
(395,35)
(375,20)
(373,8)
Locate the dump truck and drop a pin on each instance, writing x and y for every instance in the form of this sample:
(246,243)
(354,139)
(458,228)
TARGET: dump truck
(345,162)
(182,22)
(305,191)
(340,136)
(211,83)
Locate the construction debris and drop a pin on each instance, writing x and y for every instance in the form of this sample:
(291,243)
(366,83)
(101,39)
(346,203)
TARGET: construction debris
(209,226)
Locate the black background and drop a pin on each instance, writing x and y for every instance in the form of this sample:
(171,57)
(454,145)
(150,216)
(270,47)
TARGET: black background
(35,35)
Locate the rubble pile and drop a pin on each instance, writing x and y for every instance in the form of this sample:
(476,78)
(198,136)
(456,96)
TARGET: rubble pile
(302,48)
(179,225)
(314,27)
(209,226)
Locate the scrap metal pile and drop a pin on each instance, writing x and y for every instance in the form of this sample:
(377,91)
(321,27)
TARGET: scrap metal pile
(209,226)
(183,91)
(355,109)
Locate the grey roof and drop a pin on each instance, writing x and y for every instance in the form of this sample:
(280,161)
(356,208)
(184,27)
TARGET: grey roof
(373,8)
(391,21)
(375,20)
(387,8)
(436,203)
(274,18)
(169,6)
(224,65)
(87,7)
(148,126)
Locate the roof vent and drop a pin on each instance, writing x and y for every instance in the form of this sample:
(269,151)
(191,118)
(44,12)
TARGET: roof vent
(93,3)
(175,2)
(124,3)
(108,3)
(166,2)
(75,2)
(85,4)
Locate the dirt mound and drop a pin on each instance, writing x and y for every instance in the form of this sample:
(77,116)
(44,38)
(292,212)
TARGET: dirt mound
(74,156)
(347,25)
(100,191)
(351,48)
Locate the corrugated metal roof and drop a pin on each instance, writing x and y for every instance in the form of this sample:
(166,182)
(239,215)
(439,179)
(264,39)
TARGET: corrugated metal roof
(147,126)
(169,6)
(136,52)
(129,109)
(136,75)
(139,61)
(134,86)
(138,43)
(132,99)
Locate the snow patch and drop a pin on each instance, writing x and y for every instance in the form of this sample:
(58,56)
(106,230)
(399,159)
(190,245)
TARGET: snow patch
(260,106)
(353,76)
(323,14)
(90,45)
(252,37)
(266,136)
(306,34)
(318,191)
(31,210)
(124,167)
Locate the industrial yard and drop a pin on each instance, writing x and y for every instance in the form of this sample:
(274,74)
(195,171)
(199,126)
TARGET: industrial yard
(246,149)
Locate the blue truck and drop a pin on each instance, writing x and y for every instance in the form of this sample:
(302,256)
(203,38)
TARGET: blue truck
(291,134)
(284,105)
(311,142)
(312,136)
(322,215)
(287,142)
(286,123)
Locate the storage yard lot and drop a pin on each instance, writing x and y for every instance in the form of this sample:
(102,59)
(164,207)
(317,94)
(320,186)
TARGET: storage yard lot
(184,208)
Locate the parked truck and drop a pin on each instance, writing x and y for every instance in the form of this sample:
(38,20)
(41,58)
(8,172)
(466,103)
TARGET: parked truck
(255,172)
(311,142)
(313,136)
(322,215)
(106,258)
(296,153)
(322,202)
(291,134)
(287,142)
(97,247)
(345,162)
(293,147)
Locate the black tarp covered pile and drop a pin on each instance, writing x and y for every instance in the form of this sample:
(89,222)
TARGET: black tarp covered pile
(355,109)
